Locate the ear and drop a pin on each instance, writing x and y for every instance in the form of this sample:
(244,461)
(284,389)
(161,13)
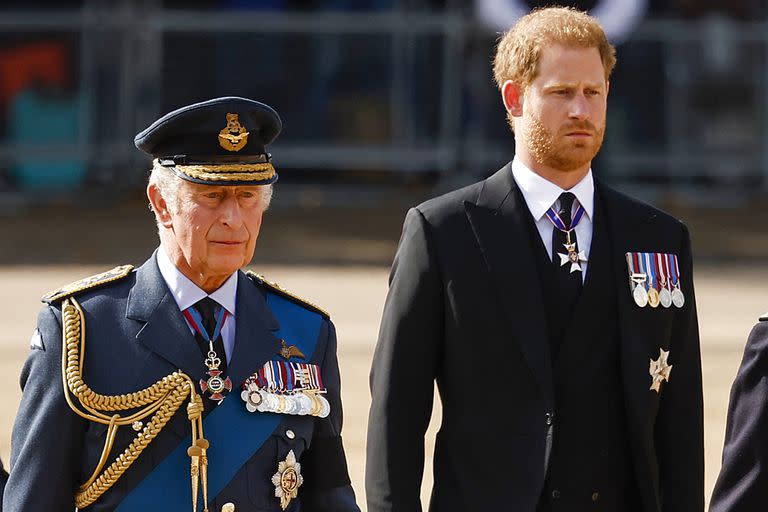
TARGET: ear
(607,87)
(159,206)
(512,95)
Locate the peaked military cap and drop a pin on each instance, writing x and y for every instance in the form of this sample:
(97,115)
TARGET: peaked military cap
(217,142)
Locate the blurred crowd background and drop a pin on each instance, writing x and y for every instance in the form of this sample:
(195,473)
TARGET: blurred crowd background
(373,93)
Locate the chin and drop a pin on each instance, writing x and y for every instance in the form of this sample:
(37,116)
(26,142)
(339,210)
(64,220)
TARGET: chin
(226,265)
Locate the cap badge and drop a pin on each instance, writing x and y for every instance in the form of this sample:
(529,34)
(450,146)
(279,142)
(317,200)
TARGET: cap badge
(233,137)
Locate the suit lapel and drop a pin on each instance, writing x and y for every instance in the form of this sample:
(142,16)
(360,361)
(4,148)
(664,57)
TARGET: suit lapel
(503,238)
(165,332)
(255,342)
(631,230)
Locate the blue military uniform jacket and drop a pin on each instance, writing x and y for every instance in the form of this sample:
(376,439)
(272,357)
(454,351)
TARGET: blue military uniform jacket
(135,335)
(742,485)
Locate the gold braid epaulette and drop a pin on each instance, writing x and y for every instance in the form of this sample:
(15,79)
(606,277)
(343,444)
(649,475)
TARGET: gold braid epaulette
(162,400)
(88,283)
(260,279)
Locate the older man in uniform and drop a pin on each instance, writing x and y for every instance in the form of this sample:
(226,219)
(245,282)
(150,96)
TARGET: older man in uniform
(555,314)
(743,482)
(185,382)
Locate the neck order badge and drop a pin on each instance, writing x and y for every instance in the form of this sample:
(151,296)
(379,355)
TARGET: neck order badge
(574,257)
(216,386)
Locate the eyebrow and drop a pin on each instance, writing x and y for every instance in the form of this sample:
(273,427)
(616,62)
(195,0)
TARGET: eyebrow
(572,85)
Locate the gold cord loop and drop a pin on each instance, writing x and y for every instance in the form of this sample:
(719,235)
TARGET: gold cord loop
(161,401)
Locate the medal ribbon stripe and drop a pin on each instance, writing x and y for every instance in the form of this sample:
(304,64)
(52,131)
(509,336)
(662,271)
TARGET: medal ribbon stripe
(631,268)
(672,268)
(556,221)
(166,487)
(639,261)
(649,265)
(677,270)
(196,321)
(659,259)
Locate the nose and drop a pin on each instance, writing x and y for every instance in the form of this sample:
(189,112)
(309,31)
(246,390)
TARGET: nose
(579,109)
(230,213)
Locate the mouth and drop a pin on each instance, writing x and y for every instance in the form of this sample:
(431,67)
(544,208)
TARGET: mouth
(227,243)
(579,134)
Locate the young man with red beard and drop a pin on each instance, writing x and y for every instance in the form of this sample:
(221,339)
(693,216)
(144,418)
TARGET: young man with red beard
(556,315)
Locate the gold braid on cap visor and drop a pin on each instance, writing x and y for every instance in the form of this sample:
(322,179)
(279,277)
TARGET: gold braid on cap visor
(229,172)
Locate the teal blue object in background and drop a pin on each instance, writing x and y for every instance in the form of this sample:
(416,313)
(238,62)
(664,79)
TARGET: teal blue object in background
(39,119)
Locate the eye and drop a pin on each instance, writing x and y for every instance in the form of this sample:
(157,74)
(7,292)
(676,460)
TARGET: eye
(592,92)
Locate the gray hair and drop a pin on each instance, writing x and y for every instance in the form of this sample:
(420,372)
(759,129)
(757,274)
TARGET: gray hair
(167,182)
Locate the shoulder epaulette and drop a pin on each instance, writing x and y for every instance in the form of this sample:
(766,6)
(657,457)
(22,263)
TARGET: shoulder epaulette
(88,283)
(763,317)
(276,288)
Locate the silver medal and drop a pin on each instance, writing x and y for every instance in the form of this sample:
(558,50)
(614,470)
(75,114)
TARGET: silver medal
(304,403)
(272,402)
(640,294)
(326,410)
(665,297)
(678,299)
(291,405)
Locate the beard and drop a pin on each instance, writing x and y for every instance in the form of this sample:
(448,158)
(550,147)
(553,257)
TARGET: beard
(555,150)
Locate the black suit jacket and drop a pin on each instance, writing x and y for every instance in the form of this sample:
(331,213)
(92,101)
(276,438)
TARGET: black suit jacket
(743,482)
(465,310)
(135,336)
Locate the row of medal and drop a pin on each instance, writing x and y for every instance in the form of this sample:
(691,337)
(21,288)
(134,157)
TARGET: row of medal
(286,387)
(654,279)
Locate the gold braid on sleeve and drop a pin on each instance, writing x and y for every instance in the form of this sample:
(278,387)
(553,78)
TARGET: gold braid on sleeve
(161,401)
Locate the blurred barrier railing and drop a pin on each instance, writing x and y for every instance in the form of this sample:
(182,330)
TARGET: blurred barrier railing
(433,105)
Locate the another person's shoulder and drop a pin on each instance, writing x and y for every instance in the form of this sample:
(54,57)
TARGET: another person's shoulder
(759,335)
(272,288)
(110,284)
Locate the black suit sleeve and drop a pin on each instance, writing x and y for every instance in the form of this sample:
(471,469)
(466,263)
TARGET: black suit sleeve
(324,463)
(743,482)
(680,422)
(403,372)
(47,435)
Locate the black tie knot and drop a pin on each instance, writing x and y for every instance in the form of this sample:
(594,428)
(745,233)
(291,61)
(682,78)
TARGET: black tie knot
(566,205)
(207,308)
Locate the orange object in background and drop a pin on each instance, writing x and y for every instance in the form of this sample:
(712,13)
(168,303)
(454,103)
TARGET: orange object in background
(38,63)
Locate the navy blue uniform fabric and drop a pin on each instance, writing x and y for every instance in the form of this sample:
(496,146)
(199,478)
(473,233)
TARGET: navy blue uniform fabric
(465,310)
(743,482)
(135,335)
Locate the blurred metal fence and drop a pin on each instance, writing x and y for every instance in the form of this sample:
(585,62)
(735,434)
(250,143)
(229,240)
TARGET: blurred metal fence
(390,91)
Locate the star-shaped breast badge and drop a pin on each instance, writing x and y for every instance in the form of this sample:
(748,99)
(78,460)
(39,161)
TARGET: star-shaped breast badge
(573,257)
(660,370)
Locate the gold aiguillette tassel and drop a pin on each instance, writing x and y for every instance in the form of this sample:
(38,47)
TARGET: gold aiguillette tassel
(203,444)
(196,452)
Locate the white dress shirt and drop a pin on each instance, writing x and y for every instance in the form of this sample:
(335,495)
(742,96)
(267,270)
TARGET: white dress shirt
(186,293)
(540,195)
